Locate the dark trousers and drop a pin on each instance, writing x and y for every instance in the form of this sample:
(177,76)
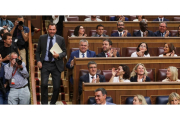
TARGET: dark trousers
(48,68)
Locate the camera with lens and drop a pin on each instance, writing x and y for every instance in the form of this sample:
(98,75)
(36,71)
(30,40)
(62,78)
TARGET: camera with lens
(18,61)
(20,23)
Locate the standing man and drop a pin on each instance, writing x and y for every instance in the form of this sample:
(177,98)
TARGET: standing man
(107,50)
(49,63)
(20,35)
(121,32)
(100,31)
(17,75)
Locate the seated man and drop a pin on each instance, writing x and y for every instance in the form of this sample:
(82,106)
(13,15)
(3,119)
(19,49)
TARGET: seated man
(4,23)
(119,17)
(83,52)
(160,19)
(7,48)
(100,31)
(162,32)
(93,18)
(143,32)
(121,32)
(91,77)
(16,73)
(107,51)
(100,97)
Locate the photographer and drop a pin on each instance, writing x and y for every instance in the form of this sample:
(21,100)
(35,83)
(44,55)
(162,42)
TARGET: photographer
(20,35)
(4,23)
(7,48)
(4,87)
(16,73)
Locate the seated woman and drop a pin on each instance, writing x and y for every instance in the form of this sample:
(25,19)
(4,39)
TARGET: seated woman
(79,32)
(169,50)
(141,51)
(172,75)
(174,99)
(121,74)
(139,18)
(139,100)
(139,74)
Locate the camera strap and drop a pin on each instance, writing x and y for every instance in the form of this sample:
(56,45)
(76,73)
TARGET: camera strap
(14,72)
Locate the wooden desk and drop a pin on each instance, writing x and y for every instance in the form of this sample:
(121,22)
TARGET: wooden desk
(112,25)
(107,63)
(120,91)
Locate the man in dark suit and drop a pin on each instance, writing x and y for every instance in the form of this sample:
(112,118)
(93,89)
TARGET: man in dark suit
(100,31)
(161,19)
(50,63)
(143,32)
(119,17)
(91,77)
(107,50)
(162,32)
(83,52)
(100,97)
(121,32)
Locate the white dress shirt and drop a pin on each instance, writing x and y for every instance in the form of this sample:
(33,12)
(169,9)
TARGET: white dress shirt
(116,79)
(134,54)
(90,78)
(81,56)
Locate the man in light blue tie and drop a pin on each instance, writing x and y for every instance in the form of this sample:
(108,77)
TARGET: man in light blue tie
(83,52)
(162,32)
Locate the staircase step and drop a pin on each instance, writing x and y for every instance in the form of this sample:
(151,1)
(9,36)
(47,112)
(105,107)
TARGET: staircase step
(62,97)
(63,89)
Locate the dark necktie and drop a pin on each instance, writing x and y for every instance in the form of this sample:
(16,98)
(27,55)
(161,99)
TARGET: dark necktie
(92,77)
(50,46)
(162,34)
(120,34)
(99,35)
(83,55)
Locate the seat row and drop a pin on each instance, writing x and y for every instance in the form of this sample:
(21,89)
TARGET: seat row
(159,100)
(151,74)
(93,32)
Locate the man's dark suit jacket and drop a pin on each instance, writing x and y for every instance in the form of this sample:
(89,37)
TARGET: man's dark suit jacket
(116,34)
(158,33)
(158,19)
(76,54)
(138,33)
(134,79)
(113,19)
(41,50)
(102,54)
(85,78)
(96,35)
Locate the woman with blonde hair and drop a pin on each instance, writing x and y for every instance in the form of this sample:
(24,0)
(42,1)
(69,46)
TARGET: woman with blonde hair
(139,74)
(174,99)
(171,75)
(139,100)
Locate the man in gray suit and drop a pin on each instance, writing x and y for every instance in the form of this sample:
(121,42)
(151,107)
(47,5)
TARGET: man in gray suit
(50,63)
(100,31)
(100,97)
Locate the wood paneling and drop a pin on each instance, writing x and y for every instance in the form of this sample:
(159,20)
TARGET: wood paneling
(124,90)
(106,63)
